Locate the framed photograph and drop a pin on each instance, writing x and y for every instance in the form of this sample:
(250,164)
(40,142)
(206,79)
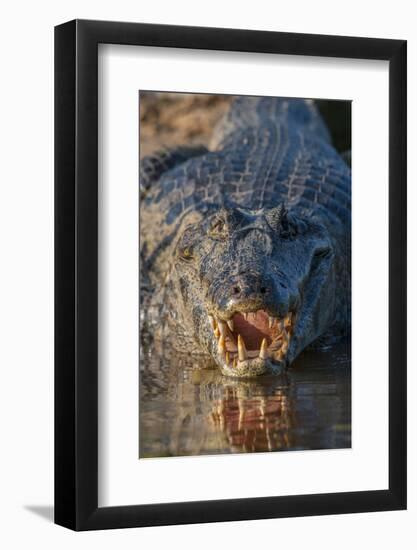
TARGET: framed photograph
(230,252)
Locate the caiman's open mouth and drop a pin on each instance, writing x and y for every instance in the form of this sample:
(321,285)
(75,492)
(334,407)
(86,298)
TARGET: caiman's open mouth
(250,341)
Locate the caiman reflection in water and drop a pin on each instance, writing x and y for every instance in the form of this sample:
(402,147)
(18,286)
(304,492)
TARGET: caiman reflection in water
(188,411)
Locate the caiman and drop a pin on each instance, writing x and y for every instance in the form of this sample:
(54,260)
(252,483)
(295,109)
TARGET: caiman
(245,245)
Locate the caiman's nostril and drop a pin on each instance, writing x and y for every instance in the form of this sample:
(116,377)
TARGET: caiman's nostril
(236,289)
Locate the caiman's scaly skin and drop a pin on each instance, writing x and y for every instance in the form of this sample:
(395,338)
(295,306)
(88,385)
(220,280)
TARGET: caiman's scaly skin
(245,249)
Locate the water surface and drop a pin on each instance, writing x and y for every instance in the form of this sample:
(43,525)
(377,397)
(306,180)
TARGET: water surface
(185,410)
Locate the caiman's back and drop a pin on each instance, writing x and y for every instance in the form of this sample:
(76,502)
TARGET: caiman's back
(266,151)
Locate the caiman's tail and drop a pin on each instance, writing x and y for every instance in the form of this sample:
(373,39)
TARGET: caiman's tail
(254,111)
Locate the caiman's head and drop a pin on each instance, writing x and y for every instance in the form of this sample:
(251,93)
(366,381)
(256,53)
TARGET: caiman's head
(257,286)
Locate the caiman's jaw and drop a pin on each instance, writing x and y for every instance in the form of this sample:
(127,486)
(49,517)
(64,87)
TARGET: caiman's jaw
(251,343)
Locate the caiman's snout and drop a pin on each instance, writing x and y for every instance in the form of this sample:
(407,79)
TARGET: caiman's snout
(252,325)
(252,291)
(246,289)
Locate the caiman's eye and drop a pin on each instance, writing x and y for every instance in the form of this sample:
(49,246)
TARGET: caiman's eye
(185,246)
(217,228)
(186,253)
(323,252)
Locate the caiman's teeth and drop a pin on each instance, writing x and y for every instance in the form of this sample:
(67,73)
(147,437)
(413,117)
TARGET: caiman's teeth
(241,348)
(223,328)
(284,347)
(279,355)
(212,322)
(221,346)
(263,354)
(281,331)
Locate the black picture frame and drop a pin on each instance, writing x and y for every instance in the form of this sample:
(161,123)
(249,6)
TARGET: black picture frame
(76,272)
